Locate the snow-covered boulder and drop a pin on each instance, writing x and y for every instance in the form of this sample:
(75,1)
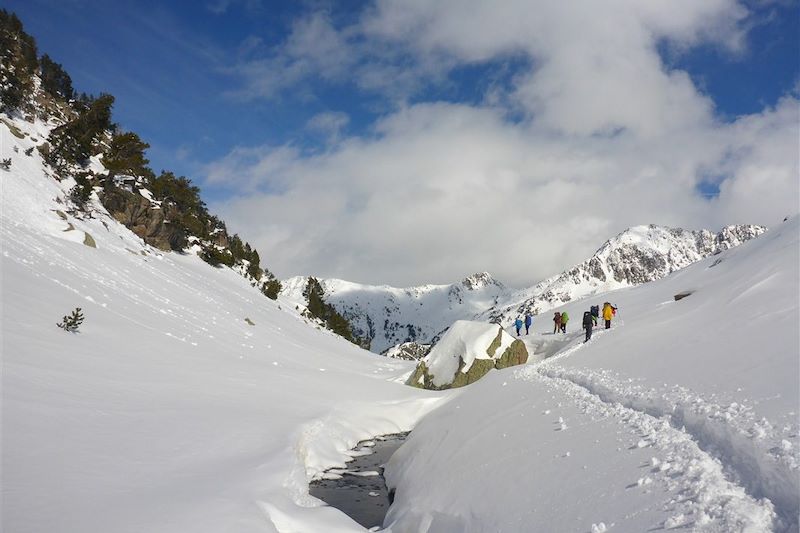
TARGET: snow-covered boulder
(465,354)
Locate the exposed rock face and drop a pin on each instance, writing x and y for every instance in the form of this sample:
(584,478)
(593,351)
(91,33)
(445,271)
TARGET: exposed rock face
(149,221)
(408,351)
(466,353)
(635,256)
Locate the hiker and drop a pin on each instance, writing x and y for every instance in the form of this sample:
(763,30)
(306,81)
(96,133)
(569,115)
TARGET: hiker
(608,313)
(528,322)
(564,320)
(588,324)
(595,310)
(556,322)
(518,324)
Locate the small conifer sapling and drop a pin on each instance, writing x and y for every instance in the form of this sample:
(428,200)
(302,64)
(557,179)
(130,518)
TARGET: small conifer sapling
(72,322)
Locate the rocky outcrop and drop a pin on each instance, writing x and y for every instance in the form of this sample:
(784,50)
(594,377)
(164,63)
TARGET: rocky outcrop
(151,222)
(637,255)
(408,351)
(466,353)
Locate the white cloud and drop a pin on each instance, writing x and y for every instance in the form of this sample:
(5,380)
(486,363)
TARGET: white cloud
(329,124)
(314,49)
(608,138)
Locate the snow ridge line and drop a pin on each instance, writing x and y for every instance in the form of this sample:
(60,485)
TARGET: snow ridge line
(758,456)
(708,502)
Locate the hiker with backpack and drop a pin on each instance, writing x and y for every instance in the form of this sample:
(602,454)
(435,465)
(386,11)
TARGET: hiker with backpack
(608,313)
(518,325)
(564,320)
(528,322)
(588,324)
(556,322)
(595,311)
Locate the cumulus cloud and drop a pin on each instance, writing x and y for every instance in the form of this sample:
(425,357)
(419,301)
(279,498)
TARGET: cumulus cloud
(595,135)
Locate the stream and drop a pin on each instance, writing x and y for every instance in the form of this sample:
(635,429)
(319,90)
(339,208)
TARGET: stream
(359,490)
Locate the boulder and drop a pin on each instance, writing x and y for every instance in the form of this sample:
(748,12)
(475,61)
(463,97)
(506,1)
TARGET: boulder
(466,353)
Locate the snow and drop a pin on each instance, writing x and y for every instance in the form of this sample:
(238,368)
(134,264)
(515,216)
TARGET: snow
(465,340)
(637,255)
(391,315)
(167,411)
(684,414)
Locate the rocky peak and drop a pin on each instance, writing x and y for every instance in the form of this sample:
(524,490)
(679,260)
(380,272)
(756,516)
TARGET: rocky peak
(731,236)
(637,255)
(479,281)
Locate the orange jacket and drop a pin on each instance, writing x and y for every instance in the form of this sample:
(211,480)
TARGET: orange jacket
(608,312)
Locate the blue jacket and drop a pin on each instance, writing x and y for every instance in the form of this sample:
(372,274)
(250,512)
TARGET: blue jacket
(528,320)
(518,323)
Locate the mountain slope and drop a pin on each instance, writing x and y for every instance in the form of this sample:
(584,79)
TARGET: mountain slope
(388,316)
(637,255)
(682,416)
(168,410)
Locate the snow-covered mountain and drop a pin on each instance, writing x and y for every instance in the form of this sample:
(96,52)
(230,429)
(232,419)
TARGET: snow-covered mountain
(187,401)
(387,316)
(681,417)
(635,256)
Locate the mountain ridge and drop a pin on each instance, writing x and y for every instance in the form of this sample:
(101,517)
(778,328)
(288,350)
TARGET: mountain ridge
(388,316)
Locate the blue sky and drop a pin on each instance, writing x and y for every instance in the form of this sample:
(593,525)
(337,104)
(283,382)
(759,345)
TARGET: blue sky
(165,62)
(265,103)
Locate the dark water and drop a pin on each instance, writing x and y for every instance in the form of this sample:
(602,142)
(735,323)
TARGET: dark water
(364,498)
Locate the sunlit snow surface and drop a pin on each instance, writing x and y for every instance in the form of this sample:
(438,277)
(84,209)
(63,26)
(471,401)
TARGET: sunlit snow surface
(169,413)
(684,414)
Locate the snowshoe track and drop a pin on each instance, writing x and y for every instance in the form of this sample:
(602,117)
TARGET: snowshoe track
(735,472)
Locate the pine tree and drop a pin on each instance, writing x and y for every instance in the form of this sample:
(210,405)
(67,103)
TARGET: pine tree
(72,322)
(81,191)
(74,142)
(18,62)
(125,155)
(319,308)
(55,80)
(271,289)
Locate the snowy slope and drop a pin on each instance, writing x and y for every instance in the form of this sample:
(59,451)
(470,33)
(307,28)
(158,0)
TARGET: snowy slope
(684,415)
(637,255)
(389,315)
(167,411)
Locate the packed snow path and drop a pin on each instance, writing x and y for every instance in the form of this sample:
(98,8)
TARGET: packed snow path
(714,443)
